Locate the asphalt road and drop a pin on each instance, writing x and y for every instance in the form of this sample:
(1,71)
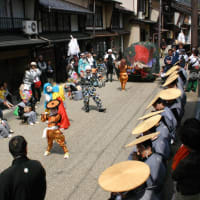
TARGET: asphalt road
(95,140)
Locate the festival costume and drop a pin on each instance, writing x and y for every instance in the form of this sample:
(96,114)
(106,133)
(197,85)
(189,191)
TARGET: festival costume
(52,132)
(89,90)
(58,93)
(123,76)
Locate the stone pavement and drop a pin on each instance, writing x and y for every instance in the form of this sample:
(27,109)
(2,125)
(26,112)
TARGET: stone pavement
(95,140)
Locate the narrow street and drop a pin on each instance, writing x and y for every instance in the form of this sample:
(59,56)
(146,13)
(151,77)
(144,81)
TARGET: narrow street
(95,140)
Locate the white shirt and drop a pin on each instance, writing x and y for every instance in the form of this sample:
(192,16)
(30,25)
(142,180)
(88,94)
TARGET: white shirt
(195,61)
(113,56)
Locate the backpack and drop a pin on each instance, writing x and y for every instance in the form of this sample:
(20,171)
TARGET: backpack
(110,60)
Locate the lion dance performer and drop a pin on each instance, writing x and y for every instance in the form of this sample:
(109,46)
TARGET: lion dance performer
(123,76)
(52,132)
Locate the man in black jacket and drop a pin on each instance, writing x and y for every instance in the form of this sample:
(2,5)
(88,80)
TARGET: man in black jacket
(25,179)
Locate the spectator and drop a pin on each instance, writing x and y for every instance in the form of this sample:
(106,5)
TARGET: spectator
(110,62)
(50,72)
(163,46)
(8,95)
(36,87)
(25,179)
(186,163)
(3,97)
(42,65)
(5,130)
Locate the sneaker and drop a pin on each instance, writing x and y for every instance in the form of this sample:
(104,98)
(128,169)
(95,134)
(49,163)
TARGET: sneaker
(31,124)
(66,156)
(46,153)
(102,109)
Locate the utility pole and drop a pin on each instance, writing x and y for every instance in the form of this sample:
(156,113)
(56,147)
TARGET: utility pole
(194,30)
(160,25)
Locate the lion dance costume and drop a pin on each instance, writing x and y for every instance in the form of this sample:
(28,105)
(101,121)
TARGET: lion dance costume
(52,132)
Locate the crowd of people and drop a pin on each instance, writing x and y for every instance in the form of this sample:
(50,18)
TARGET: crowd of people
(155,134)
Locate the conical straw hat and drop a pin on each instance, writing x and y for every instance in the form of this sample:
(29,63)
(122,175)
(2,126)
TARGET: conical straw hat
(170,94)
(143,139)
(170,80)
(151,114)
(174,73)
(154,100)
(146,124)
(171,70)
(124,176)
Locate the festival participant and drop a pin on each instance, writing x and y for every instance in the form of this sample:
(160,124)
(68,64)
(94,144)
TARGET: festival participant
(173,82)
(47,91)
(123,177)
(123,76)
(53,132)
(82,63)
(87,82)
(161,144)
(58,93)
(160,102)
(146,154)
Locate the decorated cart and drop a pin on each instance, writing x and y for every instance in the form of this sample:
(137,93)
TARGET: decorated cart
(144,58)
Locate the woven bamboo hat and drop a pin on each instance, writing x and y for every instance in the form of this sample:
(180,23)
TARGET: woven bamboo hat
(151,114)
(143,139)
(174,73)
(124,176)
(153,101)
(170,80)
(170,94)
(146,124)
(171,70)
(53,104)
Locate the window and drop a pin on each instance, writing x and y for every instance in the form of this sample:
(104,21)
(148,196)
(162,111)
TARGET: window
(116,20)
(55,22)
(98,19)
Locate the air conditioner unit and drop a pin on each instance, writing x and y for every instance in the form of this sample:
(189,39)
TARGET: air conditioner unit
(30,27)
(140,15)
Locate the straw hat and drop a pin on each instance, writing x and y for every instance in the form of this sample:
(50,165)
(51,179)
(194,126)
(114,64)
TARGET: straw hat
(143,139)
(154,100)
(124,176)
(146,124)
(170,94)
(174,73)
(170,80)
(171,70)
(151,114)
(53,104)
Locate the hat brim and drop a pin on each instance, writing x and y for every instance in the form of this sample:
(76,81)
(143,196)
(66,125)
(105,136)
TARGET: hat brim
(143,139)
(53,104)
(151,114)
(170,94)
(170,80)
(171,70)
(146,124)
(124,176)
(154,100)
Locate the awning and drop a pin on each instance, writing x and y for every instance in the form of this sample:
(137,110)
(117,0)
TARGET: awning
(99,34)
(63,37)
(64,6)
(147,21)
(18,40)
(123,9)
(121,31)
